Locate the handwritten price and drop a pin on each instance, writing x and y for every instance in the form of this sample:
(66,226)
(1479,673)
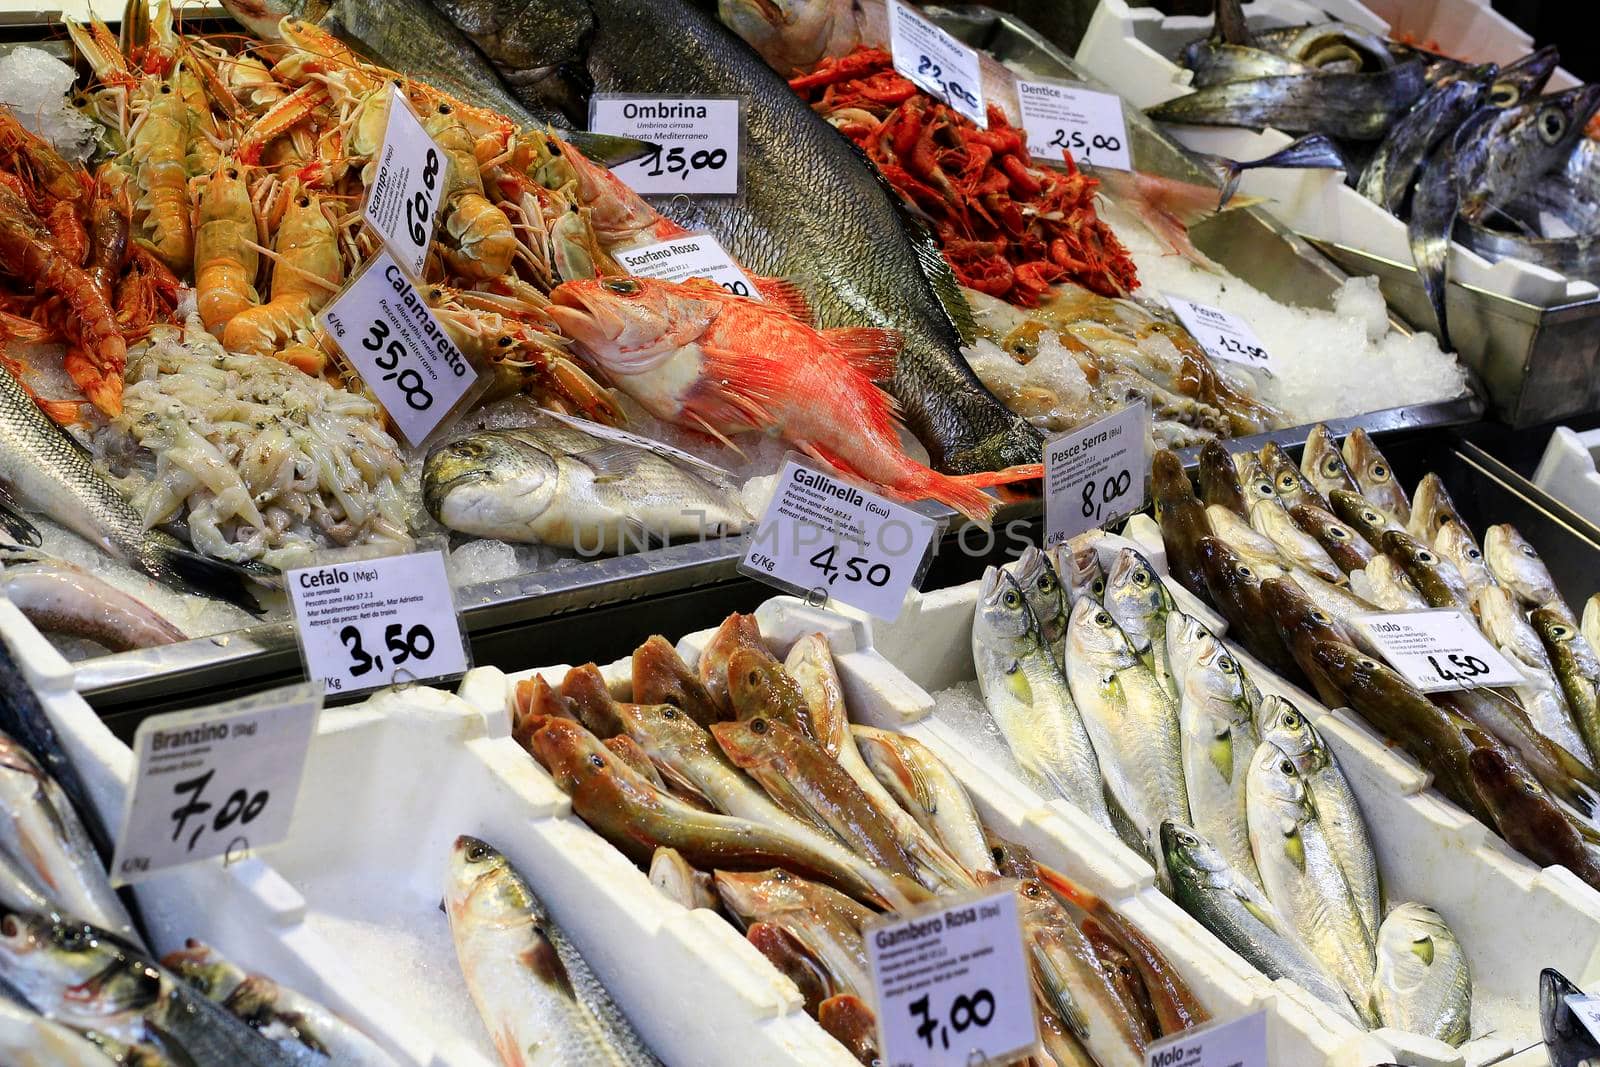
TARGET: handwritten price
(420,207)
(677,161)
(877,574)
(1082,149)
(241,807)
(965,1012)
(416,644)
(1239,348)
(951,89)
(408,381)
(1461,668)
(1111,490)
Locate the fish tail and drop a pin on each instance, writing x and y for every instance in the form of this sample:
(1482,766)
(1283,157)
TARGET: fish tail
(951,491)
(209,577)
(1230,184)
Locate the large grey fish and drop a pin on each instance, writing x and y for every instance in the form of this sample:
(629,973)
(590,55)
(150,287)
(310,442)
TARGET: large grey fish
(1358,106)
(60,598)
(538,999)
(1389,175)
(1423,983)
(565,486)
(1566,1037)
(50,473)
(1576,257)
(1215,62)
(845,237)
(1525,77)
(1231,907)
(1489,159)
(1314,151)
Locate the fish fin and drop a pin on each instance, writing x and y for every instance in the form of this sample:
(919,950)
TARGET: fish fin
(1422,948)
(608,149)
(712,432)
(15,523)
(1253,908)
(736,389)
(1230,184)
(611,461)
(199,574)
(787,297)
(1053,984)
(870,351)
(1295,849)
(924,484)
(1221,752)
(1021,472)
(1434,207)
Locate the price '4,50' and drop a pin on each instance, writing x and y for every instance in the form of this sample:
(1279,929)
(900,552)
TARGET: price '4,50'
(856,568)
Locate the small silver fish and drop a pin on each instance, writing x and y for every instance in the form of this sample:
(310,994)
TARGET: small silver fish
(1423,983)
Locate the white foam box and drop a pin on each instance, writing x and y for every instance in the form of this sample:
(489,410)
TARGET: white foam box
(877,693)
(1567,470)
(346,909)
(1465,29)
(1129,48)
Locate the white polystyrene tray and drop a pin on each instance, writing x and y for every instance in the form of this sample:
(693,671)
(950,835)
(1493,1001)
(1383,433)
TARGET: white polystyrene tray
(1567,470)
(1465,29)
(346,909)
(1128,48)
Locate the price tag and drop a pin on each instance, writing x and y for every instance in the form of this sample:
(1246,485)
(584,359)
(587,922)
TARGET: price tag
(821,532)
(1095,474)
(1240,1042)
(387,332)
(1587,1009)
(937,61)
(402,201)
(1084,122)
(952,984)
(364,624)
(698,255)
(214,781)
(694,141)
(1438,649)
(1223,335)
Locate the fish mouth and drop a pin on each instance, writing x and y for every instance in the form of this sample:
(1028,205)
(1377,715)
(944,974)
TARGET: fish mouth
(435,491)
(588,321)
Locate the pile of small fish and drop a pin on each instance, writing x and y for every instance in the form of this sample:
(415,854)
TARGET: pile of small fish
(1291,554)
(1453,148)
(743,785)
(1137,714)
(538,998)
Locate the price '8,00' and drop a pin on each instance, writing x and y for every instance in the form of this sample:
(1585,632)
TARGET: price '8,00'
(1112,490)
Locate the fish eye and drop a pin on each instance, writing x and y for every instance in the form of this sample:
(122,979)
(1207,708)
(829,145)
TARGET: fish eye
(1225,664)
(1320,616)
(758,726)
(1243,570)
(622,286)
(1141,577)
(597,761)
(1291,720)
(1552,124)
(477,852)
(1265,489)
(1527,550)
(1560,632)
(1032,889)
(1286,480)
(1504,94)
(1286,767)
(1187,839)
(1372,517)
(1098,587)
(669,713)
(1338,533)
(1047,583)
(1330,466)
(1011,599)
(1424,556)
(1102,619)
(1370,664)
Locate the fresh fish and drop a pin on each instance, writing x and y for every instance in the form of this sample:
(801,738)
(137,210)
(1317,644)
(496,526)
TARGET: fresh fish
(28,1039)
(794,35)
(281,1014)
(1590,627)
(1303,624)
(759,686)
(1253,479)
(560,485)
(1357,106)
(1324,465)
(1139,602)
(1303,876)
(1423,984)
(679,882)
(1251,544)
(1348,549)
(1386,585)
(661,677)
(1373,475)
(1235,910)
(1314,151)
(1441,585)
(1029,699)
(1182,518)
(737,631)
(1131,719)
(60,598)
(1487,161)
(1577,668)
(1218,738)
(1288,481)
(1220,485)
(523,974)
(1576,256)
(1528,817)
(802,180)
(1269,518)
(1215,62)
(1431,508)
(637,818)
(1291,733)
(1077,566)
(1565,775)
(1454,544)
(1036,576)
(1324,43)
(40,831)
(810,665)
(924,786)
(1567,1039)
(49,472)
(1516,565)
(1542,695)
(1388,177)
(1525,77)
(827,923)
(1234,588)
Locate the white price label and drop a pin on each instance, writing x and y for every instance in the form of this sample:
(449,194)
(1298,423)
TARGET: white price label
(1587,1009)
(215,781)
(1240,1042)
(1095,474)
(1222,334)
(403,199)
(366,624)
(698,255)
(694,141)
(386,330)
(821,532)
(1437,649)
(952,985)
(1086,123)
(937,61)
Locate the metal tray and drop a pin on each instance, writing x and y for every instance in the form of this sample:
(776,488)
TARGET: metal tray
(539,617)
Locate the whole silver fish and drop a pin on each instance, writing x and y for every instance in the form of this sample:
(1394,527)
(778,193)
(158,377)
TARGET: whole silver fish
(1374,475)
(1357,106)
(1322,462)
(1455,545)
(1218,739)
(60,598)
(927,789)
(1077,564)
(1314,151)
(1047,597)
(1029,699)
(1516,565)
(1303,876)
(1423,983)
(1541,695)
(1431,508)
(1138,600)
(1292,733)
(1389,175)
(563,486)
(539,1000)
(1251,544)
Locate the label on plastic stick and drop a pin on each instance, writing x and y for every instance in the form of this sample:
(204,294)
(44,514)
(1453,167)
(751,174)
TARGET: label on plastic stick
(1438,649)
(403,200)
(823,534)
(1587,1009)
(937,61)
(951,983)
(694,141)
(215,781)
(367,623)
(1095,474)
(1240,1042)
(1086,123)
(398,346)
(1222,334)
(699,255)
